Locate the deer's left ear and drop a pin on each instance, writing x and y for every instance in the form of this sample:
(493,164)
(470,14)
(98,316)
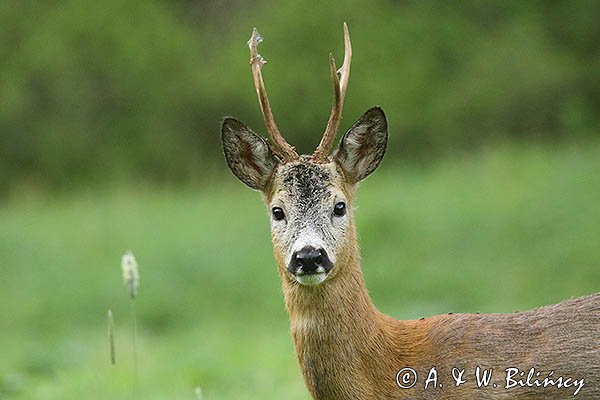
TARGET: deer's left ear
(363,146)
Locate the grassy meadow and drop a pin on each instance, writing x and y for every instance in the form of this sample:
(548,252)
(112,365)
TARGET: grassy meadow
(501,229)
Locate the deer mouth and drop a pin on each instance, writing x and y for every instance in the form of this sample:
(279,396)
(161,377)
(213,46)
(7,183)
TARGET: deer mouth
(311,279)
(310,266)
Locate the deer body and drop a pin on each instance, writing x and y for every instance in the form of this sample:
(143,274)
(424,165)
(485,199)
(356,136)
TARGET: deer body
(362,362)
(346,348)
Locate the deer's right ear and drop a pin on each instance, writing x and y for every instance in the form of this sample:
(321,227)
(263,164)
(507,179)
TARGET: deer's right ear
(248,155)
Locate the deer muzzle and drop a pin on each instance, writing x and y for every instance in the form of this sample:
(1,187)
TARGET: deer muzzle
(310,266)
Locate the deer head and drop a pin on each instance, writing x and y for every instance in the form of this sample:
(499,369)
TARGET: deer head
(309,196)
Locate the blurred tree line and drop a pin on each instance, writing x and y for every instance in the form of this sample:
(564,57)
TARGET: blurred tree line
(117,90)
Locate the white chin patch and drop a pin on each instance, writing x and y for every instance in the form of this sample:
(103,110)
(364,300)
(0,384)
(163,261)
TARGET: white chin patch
(311,279)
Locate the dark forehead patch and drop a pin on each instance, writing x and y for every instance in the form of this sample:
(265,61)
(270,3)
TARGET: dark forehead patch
(308,183)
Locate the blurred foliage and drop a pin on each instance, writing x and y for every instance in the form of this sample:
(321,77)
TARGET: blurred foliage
(505,229)
(101,91)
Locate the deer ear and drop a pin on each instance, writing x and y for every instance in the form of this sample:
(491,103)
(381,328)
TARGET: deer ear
(248,155)
(363,146)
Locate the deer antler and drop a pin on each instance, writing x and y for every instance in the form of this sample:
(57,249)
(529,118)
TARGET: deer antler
(281,147)
(340,83)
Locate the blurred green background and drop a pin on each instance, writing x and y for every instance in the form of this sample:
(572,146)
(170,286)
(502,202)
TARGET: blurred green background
(109,140)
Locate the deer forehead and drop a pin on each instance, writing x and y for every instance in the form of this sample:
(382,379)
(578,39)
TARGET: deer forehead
(307,186)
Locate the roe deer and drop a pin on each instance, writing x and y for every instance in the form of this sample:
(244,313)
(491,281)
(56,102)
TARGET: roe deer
(346,348)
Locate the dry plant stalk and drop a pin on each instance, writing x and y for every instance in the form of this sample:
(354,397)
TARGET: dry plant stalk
(111,336)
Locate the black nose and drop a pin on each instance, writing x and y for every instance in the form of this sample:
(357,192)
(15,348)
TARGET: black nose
(308,260)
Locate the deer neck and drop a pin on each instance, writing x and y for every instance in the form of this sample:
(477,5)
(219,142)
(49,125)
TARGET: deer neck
(338,332)
(342,300)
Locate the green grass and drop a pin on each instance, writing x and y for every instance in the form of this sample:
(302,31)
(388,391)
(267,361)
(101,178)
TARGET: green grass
(496,231)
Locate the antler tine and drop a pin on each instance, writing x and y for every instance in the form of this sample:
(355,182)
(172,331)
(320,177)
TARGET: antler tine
(340,79)
(281,147)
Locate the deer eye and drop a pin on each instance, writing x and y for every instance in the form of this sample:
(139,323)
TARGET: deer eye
(339,210)
(278,213)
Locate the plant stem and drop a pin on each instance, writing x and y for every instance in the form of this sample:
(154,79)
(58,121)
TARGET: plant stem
(135,371)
